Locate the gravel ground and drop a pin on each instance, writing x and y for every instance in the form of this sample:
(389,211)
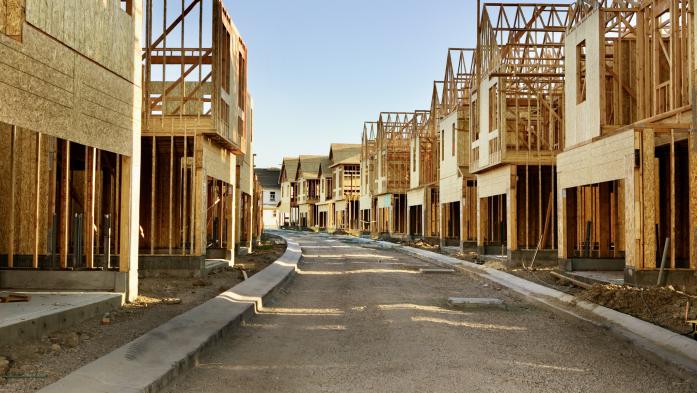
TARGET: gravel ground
(357,319)
(36,364)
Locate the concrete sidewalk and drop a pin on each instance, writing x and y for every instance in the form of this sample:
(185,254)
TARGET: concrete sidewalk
(669,346)
(150,362)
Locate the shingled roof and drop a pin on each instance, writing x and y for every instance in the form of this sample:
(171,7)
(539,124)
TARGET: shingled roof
(269,177)
(345,153)
(290,167)
(308,166)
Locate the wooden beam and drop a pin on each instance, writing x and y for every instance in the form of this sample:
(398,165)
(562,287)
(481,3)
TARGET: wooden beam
(13,180)
(153,183)
(64,219)
(90,172)
(37,204)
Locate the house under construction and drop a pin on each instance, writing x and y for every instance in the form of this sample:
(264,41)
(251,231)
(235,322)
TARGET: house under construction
(457,187)
(392,174)
(422,196)
(368,167)
(627,193)
(70,100)
(195,126)
(517,105)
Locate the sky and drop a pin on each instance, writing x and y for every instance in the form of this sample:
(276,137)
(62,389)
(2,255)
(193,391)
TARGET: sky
(319,68)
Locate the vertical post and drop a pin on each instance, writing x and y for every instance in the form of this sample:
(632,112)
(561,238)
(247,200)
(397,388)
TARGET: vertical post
(64,221)
(13,178)
(171,194)
(90,171)
(37,204)
(153,184)
(672,198)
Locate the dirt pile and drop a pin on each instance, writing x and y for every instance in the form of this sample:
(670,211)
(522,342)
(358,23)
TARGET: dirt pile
(662,306)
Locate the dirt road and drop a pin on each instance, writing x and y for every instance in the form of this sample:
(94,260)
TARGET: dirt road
(357,319)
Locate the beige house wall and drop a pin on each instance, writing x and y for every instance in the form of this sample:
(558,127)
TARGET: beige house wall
(450,178)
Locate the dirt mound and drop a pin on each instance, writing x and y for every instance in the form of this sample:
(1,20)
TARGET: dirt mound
(661,306)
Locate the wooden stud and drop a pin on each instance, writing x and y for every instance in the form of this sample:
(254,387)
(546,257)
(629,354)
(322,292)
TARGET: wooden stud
(37,204)
(13,181)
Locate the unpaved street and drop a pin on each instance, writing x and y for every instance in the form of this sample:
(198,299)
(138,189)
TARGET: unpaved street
(357,319)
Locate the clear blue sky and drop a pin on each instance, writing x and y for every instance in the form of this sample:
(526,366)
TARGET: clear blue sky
(319,68)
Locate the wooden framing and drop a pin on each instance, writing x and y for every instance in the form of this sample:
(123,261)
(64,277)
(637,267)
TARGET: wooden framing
(638,136)
(66,157)
(392,176)
(367,202)
(517,103)
(195,133)
(457,186)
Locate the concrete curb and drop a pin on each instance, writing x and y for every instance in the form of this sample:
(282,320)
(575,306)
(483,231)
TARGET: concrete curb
(153,360)
(668,345)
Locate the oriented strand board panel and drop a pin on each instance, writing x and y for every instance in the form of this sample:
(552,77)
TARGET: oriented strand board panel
(25,190)
(582,120)
(46,86)
(98,29)
(218,163)
(494,182)
(597,162)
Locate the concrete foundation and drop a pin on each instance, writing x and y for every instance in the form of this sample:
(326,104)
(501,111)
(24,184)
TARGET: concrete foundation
(61,280)
(683,280)
(591,264)
(48,312)
(171,265)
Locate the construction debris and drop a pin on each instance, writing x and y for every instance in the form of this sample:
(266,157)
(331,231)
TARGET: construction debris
(14,298)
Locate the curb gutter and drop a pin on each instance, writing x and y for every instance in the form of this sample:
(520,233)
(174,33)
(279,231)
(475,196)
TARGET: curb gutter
(153,360)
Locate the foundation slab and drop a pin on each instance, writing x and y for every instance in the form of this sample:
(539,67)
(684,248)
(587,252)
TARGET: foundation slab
(47,312)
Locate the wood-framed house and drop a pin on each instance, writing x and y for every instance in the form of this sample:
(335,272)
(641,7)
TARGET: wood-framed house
(517,105)
(70,156)
(627,190)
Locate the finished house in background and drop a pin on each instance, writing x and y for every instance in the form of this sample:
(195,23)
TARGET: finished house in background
(517,126)
(195,127)
(457,186)
(308,189)
(344,160)
(627,194)
(325,205)
(70,118)
(271,195)
(288,208)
